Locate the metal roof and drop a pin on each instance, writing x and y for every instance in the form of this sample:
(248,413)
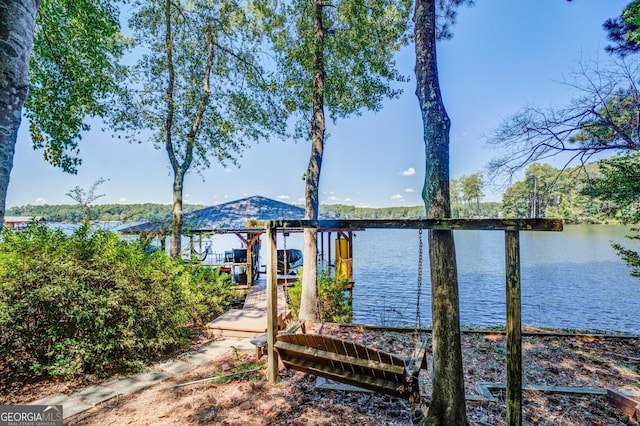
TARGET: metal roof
(227,217)
(23,219)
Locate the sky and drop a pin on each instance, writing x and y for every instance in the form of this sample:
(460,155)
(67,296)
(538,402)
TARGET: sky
(504,54)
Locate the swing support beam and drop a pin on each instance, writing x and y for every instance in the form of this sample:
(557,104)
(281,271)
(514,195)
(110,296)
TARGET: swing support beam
(511,228)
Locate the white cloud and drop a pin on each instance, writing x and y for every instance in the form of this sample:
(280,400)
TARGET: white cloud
(122,199)
(409,172)
(347,200)
(409,190)
(228,170)
(332,198)
(282,197)
(301,200)
(40,201)
(186,196)
(397,197)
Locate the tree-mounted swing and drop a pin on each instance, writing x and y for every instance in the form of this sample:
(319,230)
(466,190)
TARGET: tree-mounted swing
(326,352)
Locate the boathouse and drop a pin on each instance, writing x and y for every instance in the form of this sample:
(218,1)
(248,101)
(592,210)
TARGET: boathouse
(20,223)
(232,218)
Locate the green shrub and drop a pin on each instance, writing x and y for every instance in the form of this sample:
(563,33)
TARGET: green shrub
(333,304)
(210,291)
(92,303)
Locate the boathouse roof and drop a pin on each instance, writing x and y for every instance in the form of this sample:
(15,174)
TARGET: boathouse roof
(228,217)
(23,219)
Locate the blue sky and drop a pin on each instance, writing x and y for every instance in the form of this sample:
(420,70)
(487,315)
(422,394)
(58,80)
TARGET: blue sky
(504,54)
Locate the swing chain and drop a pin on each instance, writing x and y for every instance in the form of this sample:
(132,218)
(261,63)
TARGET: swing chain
(419,286)
(285,266)
(416,402)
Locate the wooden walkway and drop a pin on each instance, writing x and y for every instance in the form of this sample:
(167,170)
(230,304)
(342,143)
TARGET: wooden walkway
(252,318)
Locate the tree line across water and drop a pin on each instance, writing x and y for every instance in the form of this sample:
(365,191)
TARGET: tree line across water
(99,212)
(593,193)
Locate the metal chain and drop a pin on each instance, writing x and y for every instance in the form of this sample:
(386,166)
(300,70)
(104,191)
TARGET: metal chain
(419,286)
(415,400)
(285,266)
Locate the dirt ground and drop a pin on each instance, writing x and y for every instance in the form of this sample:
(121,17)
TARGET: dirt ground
(248,399)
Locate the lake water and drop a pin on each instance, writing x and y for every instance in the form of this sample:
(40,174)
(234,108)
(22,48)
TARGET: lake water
(570,279)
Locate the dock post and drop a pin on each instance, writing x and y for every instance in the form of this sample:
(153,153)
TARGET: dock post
(272,303)
(249,261)
(514,329)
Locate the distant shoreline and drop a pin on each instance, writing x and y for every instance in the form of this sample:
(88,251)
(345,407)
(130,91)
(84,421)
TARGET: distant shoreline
(127,213)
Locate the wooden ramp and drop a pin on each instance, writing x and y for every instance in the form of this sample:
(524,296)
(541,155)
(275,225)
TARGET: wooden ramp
(352,363)
(252,318)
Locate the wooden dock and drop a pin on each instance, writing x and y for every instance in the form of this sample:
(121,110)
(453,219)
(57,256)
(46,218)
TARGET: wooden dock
(252,318)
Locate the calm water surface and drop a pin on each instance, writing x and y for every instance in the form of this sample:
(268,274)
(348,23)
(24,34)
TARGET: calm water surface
(570,279)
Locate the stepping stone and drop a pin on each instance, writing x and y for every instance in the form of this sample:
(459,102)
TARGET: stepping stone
(220,347)
(124,386)
(197,358)
(175,366)
(70,406)
(150,377)
(95,394)
(244,345)
(215,348)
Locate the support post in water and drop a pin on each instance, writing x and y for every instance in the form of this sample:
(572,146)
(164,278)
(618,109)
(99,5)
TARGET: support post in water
(514,329)
(272,303)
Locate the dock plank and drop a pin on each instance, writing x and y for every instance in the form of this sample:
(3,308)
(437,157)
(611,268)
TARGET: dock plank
(252,318)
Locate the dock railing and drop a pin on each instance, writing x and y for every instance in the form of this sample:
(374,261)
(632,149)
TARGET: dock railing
(511,228)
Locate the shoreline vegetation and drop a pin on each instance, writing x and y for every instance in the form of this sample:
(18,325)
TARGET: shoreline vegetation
(69,213)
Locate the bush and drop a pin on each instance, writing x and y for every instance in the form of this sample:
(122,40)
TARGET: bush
(210,291)
(92,303)
(332,300)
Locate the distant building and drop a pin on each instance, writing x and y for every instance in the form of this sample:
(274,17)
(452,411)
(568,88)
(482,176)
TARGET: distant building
(19,223)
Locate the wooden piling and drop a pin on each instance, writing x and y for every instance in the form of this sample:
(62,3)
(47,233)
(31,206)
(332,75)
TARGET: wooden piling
(514,329)
(272,303)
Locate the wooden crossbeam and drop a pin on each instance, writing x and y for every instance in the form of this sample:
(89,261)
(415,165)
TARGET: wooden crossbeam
(435,224)
(630,407)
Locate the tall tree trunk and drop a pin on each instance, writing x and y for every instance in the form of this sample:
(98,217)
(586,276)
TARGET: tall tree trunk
(447,403)
(180,168)
(178,172)
(176,229)
(309,299)
(17,24)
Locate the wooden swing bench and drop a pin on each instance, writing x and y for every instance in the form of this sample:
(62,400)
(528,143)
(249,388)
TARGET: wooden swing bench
(377,370)
(352,363)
